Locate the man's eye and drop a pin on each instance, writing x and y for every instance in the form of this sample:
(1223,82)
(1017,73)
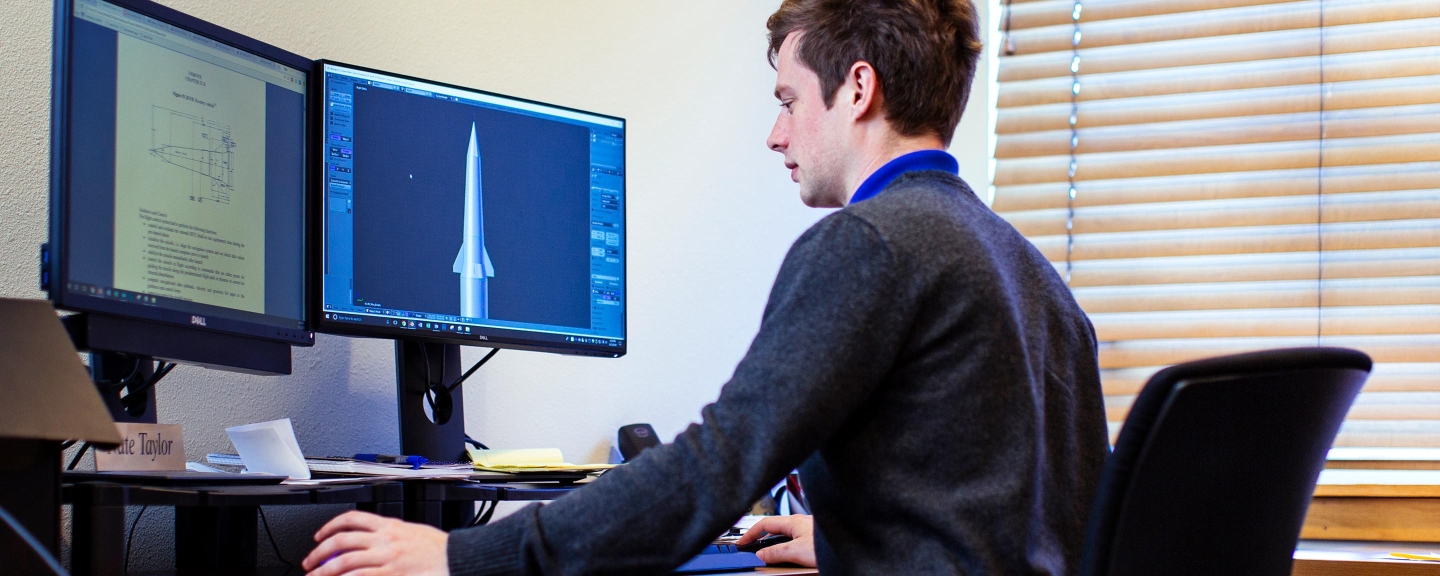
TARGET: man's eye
(786,105)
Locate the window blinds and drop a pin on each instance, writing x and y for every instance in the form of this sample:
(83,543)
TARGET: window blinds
(1220,176)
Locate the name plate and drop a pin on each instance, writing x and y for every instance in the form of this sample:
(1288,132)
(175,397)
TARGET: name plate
(144,447)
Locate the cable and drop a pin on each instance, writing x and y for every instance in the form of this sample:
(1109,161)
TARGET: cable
(431,384)
(76,460)
(161,371)
(474,520)
(483,515)
(475,443)
(45,556)
(131,538)
(126,380)
(271,536)
(461,380)
(489,513)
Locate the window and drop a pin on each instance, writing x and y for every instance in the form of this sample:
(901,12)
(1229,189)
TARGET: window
(1219,176)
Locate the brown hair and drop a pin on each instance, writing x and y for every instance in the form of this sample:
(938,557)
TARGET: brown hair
(923,51)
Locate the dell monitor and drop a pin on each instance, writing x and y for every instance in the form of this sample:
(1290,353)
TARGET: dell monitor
(452,216)
(178,226)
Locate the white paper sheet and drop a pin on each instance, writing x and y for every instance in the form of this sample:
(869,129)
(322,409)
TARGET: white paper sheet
(270,447)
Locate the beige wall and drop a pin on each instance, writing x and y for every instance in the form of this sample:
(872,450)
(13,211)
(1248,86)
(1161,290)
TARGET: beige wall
(711,213)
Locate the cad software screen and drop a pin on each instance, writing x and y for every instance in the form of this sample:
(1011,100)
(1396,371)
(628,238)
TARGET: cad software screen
(186,176)
(470,214)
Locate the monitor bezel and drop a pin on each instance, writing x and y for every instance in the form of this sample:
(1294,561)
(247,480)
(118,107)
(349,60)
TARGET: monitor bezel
(486,337)
(57,251)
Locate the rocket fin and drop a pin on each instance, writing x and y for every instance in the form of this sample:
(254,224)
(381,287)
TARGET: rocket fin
(459,267)
(489,268)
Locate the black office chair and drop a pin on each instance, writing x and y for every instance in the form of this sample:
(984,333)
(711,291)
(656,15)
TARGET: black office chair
(1215,466)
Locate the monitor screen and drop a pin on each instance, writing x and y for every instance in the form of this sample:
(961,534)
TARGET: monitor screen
(180,187)
(458,215)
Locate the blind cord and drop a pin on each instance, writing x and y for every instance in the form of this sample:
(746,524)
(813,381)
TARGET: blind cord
(1074,139)
(1009,43)
(1320,197)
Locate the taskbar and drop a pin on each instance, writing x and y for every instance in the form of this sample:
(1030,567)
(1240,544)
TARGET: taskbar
(453,329)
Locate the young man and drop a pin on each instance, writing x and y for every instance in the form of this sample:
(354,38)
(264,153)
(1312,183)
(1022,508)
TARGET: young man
(918,359)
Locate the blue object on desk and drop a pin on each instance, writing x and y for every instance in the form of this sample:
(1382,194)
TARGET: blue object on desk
(718,557)
(415,462)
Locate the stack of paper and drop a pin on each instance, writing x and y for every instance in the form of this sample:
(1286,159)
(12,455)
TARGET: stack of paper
(528,460)
(334,466)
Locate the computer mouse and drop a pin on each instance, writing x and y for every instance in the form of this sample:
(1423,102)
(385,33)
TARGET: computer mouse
(764,543)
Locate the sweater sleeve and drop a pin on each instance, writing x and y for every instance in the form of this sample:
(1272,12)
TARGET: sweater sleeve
(837,316)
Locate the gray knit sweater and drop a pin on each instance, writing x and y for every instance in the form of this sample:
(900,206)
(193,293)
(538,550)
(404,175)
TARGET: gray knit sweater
(927,370)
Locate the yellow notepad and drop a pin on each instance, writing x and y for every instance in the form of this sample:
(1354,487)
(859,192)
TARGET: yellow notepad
(528,460)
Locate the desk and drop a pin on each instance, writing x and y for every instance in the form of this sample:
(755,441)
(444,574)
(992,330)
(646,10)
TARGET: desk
(215,526)
(1349,558)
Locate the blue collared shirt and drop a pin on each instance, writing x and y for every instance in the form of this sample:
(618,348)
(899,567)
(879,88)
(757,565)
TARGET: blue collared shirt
(918,160)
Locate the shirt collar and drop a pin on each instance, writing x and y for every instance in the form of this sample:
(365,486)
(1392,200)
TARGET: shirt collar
(918,160)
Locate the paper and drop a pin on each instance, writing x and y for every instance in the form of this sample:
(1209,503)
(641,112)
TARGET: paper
(271,448)
(1408,556)
(524,457)
(528,460)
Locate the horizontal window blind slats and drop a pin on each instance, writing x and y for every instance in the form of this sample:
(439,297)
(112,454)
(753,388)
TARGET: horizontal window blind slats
(1368,406)
(1304,126)
(1221,159)
(1334,264)
(1221,22)
(1053,12)
(1270,239)
(1230,177)
(1410,291)
(1166,352)
(1332,321)
(1216,214)
(1389,35)
(1371,433)
(1408,90)
(1221,77)
(1221,186)
(1384,377)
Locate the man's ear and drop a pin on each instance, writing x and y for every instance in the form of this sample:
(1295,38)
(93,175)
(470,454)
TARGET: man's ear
(864,90)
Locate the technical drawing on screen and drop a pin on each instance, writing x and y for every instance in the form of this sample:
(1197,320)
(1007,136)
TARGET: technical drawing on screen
(197,145)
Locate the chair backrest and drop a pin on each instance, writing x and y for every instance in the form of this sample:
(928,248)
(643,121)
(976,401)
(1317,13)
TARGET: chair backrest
(1214,468)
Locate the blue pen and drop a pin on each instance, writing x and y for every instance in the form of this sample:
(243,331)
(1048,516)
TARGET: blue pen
(415,462)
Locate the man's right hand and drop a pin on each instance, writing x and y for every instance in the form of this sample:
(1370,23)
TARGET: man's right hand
(799,550)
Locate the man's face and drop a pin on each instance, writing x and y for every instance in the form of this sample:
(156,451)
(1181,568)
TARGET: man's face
(809,135)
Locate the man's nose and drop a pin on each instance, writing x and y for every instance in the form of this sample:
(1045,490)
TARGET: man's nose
(779,137)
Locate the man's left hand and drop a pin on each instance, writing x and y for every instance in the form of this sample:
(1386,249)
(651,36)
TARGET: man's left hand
(370,545)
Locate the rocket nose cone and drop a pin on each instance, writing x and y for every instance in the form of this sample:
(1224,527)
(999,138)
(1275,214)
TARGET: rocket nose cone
(474,141)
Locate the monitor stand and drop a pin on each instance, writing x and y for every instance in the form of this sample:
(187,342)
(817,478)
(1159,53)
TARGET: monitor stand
(439,436)
(117,376)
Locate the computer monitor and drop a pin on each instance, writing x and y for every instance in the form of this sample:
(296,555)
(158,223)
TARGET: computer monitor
(454,216)
(178,223)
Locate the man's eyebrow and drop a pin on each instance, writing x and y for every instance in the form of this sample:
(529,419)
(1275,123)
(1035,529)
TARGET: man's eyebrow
(779,89)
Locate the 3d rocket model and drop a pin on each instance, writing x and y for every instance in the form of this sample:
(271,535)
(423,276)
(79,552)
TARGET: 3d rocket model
(473,261)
